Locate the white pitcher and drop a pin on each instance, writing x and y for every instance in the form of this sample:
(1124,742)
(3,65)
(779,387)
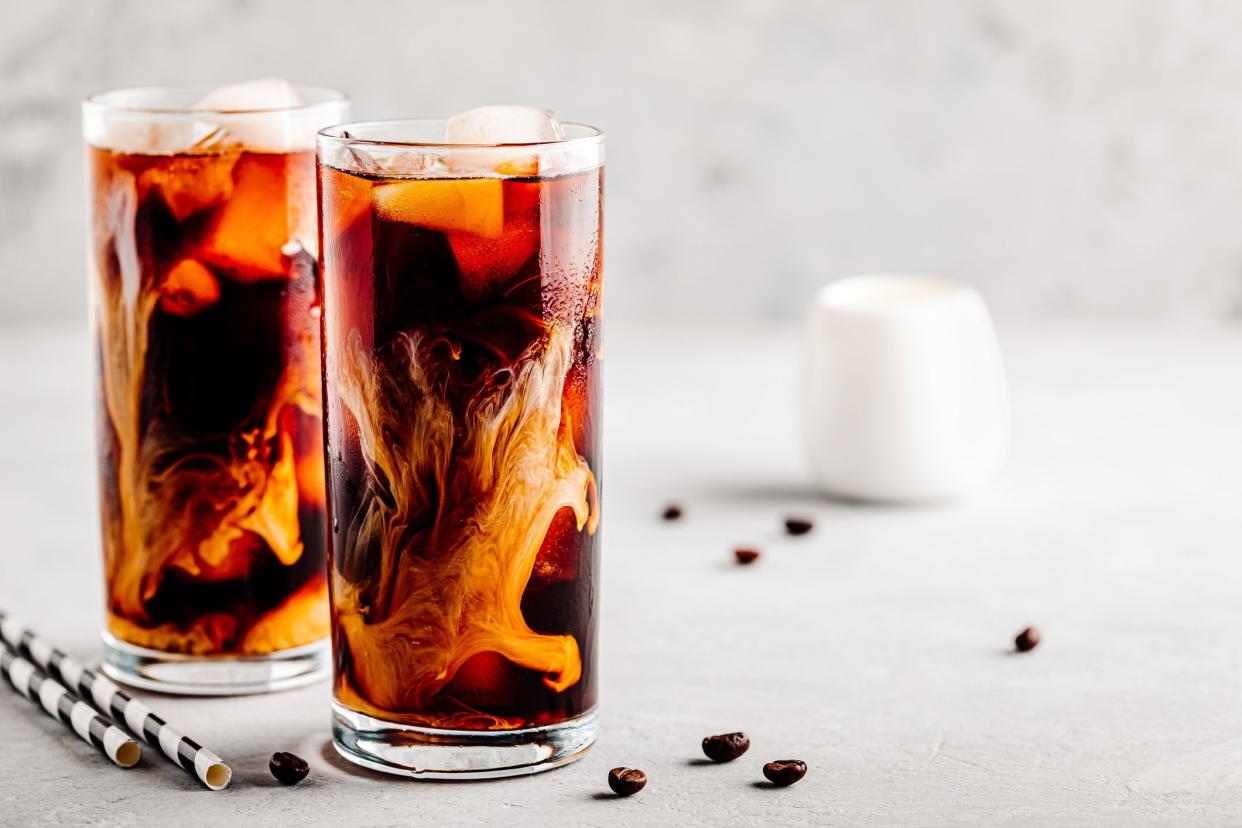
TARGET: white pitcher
(905,389)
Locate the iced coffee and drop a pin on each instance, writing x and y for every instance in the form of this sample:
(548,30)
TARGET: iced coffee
(205,304)
(462,354)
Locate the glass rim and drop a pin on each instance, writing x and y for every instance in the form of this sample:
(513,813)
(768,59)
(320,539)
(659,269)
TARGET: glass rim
(323,96)
(593,135)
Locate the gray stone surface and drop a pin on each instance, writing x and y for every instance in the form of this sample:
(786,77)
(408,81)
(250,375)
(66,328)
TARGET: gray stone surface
(876,649)
(1067,157)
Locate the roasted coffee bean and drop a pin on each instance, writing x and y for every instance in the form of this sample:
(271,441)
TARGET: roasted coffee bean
(287,768)
(673,512)
(784,772)
(726,747)
(798,526)
(1027,640)
(626,781)
(746,556)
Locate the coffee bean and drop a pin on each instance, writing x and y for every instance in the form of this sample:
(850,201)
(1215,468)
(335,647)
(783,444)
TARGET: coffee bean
(672,512)
(798,526)
(746,556)
(626,781)
(726,747)
(287,768)
(784,772)
(1027,640)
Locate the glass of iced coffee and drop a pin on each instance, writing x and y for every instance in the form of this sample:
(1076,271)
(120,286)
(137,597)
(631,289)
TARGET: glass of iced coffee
(205,304)
(461,264)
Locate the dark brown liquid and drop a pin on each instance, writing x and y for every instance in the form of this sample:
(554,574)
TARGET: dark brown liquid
(462,407)
(210,430)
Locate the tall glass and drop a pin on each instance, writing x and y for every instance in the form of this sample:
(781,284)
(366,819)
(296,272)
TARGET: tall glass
(462,391)
(203,254)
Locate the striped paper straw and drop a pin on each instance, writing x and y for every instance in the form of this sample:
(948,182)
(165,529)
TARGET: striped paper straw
(60,704)
(110,699)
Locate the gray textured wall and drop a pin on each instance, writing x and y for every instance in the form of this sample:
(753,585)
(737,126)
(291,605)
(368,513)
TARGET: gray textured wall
(1069,157)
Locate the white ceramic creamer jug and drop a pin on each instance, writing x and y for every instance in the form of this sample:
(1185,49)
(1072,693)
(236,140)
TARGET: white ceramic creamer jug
(905,389)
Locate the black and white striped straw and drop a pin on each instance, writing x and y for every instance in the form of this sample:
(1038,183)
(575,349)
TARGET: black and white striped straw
(112,700)
(59,703)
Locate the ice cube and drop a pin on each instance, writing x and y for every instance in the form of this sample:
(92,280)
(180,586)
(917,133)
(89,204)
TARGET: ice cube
(347,156)
(410,163)
(190,183)
(486,265)
(470,205)
(346,198)
(162,137)
(261,216)
(524,167)
(503,125)
(262,94)
(559,553)
(188,288)
(252,121)
(489,125)
(123,124)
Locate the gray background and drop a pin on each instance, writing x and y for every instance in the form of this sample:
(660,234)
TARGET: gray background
(1069,158)
(1075,159)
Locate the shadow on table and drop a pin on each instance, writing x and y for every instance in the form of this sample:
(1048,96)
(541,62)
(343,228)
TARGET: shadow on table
(328,754)
(793,493)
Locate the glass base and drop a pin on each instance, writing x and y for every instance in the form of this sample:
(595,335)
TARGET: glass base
(191,675)
(430,753)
